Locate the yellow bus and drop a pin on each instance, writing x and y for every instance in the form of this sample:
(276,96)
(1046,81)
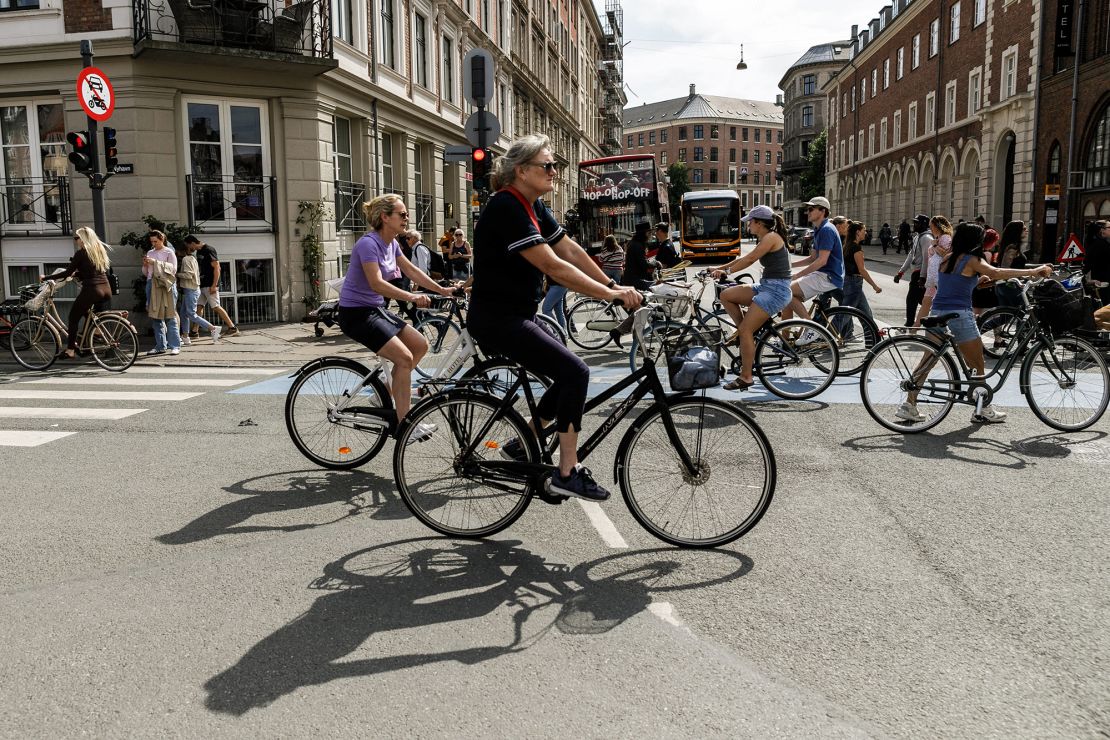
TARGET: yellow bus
(709,224)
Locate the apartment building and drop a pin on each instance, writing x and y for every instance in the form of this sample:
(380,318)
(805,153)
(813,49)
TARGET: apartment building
(934,112)
(725,142)
(237,115)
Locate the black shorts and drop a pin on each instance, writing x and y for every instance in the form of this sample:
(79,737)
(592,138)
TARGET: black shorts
(372,326)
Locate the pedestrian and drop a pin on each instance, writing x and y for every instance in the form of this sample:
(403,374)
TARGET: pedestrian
(160,269)
(639,269)
(555,302)
(90,263)
(612,258)
(984,296)
(855,272)
(915,259)
(1096,257)
(460,254)
(421,253)
(402,281)
(1011,257)
(209,263)
(665,253)
(188,281)
(886,236)
(903,237)
(941,230)
(841,224)
(445,240)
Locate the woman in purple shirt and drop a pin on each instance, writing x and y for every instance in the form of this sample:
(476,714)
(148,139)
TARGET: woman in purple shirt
(375,260)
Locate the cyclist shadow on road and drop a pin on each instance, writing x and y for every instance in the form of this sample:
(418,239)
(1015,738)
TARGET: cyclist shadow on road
(424,582)
(280,493)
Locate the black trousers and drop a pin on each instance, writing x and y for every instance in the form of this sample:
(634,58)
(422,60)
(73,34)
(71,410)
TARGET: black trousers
(914,296)
(98,295)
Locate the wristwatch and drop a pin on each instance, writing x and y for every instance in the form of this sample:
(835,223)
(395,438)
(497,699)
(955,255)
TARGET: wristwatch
(611,284)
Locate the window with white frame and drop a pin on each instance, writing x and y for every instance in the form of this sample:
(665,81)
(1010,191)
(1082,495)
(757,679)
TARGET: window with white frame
(900,63)
(934,37)
(32,158)
(911,122)
(974,90)
(502,14)
(853,97)
(449,69)
(882,134)
(863,91)
(954,23)
(388,35)
(859,145)
(980,13)
(341,20)
(930,112)
(387,161)
(874,82)
(420,49)
(871,140)
(915,51)
(897,128)
(851,151)
(229,163)
(1009,73)
(486,25)
(886,73)
(950,103)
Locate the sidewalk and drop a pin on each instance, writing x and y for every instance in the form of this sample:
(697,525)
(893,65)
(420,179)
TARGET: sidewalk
(265,344)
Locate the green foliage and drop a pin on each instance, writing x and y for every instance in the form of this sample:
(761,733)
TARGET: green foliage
(175,234)
(813,176)
(679,184)
(312,213)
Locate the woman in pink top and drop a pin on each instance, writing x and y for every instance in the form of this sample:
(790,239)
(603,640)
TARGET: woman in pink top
(941,229)
(162,309)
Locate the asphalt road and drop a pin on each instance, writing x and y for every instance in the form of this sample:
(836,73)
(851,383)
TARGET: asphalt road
(183,571)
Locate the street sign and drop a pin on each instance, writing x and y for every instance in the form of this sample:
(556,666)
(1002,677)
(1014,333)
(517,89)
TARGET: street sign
(124,169)
(1051,191)
(478,121)
(1073,250)
(95,94)
(457,153)
(478,77)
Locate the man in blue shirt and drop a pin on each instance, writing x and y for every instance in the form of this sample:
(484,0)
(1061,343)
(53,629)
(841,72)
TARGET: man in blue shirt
(823,270)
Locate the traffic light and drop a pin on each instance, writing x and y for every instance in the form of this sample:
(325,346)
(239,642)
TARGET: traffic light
(110,151)
(481,160)
(81,156)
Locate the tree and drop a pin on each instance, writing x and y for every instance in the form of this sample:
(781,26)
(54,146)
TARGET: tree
(813,176)
(679,176)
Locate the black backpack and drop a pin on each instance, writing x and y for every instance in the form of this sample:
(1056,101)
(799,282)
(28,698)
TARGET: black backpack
(435,263)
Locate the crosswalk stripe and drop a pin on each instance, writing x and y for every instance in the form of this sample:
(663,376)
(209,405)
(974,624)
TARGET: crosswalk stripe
(97,395)
(119,380)
(41,412)
(156,370)
(16,438)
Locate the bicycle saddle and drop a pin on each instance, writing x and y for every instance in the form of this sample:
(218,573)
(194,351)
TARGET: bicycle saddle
(931,322)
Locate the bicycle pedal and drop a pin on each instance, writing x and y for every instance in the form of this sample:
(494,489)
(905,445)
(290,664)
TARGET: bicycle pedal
(551,498)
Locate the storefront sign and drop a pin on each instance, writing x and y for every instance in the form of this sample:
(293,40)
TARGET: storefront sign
(1064,27)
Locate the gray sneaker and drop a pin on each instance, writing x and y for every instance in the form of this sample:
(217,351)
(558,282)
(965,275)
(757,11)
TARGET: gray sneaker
(215,334)
(909,412)
(579,484)
(989,415)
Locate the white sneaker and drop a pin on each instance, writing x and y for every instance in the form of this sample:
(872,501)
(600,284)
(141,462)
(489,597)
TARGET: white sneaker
(175,351)
(150,352)
(990,415)
(809,336)
(186,342)
(422,433)
(908,412)
(215,335)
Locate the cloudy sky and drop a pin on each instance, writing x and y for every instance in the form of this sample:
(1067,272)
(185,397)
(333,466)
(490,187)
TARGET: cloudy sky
(672,43)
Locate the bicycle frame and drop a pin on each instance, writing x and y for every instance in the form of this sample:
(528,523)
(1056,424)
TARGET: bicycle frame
(51,317)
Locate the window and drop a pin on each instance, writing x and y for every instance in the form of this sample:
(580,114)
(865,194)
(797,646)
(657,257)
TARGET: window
(871,140)
(897,127)
(228,162)
(954,23)
(731,155)
(744,134)
(640,139)
(757,136)
(863,91)
(809,84)
(682,154)
(915,51)
(950,103)
(807,116)
(1054,164)
(882,135)
(485,15)
(778,136)
(886,73)
(32,157)
(859,146)
(502,14)
(1009,74)
(448,69)
(874,82)
(980,13)
(974,91)
(755,197)
(420,53)
(844,107)
(934,37)
(682,133)
(389,50)
(629,142)
(732,133)
(387,161)
(853,97)
(911,122)
(778,156)
(663,157)
(767,153)
(663,136)
(1098,155)
(714,132)
(755,156)
(768,136)
(340,19)
(743,197)
(900,63)
(699,132)
(744,156)
(851,150)
(699,154)
(731,176)
(341,149)
(699,175)
(805,148)
(18,5)
(930,112)
(714,154)
(651,137)
(713,177)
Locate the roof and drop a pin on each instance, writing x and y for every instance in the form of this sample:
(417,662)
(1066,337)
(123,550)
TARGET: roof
(702,106)
(832,52)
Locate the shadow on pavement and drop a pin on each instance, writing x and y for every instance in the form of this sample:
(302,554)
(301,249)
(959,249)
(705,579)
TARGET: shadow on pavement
(958,445)
(423,582)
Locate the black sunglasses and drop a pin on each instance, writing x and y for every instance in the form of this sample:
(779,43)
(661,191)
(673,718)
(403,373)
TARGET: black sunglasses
(548,167)
(402,214)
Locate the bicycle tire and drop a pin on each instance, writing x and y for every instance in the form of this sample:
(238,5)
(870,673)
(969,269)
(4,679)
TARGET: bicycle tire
(653,335)
(855,333)
(501,374)
(35,344)
(551,326)
(888,373)
(1076,373)
(318,389)
(674,506)
(579,319)
(793,372)
(446,492)
(441,334)
(113,343)
(998,327)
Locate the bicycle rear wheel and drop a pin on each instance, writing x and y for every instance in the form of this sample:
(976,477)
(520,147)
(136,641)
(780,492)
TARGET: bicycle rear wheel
(34,343)
(855,335)
(723,499)
(114,344)
(793,367)
(452,493)
(899,366)
(589,322)
(442,336)
(551,326)
(1068,383)
(999,328)
(323,437)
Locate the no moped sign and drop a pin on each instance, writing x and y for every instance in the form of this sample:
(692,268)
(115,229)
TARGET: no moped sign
(95,93)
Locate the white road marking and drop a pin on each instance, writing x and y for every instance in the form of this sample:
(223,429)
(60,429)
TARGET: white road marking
(38,412)
(97,395)
(155,370)
(15,438)
(603,524)
(117,381)
(665,611)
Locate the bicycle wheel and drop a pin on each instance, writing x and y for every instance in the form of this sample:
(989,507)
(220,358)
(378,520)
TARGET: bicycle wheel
(855,335)
(114,344)
(442,336)
(316,430)
(900,365)
(726,496)
(590,320)
(1067,383)
(34,343)
(552,327)
(999,329)
(796,371)
(501,374)
(453,493)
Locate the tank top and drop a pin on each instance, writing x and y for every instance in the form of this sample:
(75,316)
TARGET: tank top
(954,289)
(776,264)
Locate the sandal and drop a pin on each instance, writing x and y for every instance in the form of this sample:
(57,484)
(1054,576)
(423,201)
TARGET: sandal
(738,385)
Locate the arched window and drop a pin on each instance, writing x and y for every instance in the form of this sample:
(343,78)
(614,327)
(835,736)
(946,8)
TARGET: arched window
(1054,164)
(1098,155)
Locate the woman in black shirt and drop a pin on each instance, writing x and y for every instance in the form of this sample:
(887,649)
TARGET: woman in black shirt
(516,242)
(90,264)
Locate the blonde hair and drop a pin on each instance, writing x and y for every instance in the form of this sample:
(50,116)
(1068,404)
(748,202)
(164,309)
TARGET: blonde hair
(96,249)
(520,152)
(378,208)
(943,225)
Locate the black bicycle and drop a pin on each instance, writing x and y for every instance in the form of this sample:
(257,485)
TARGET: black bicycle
(694,471)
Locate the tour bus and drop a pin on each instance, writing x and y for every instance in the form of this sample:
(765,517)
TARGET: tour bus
(616,192)
(709,224)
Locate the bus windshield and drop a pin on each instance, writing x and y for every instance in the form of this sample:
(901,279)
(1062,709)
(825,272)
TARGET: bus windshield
(615,193)
(716,219)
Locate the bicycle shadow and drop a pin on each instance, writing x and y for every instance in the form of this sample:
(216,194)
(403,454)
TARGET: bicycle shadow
(431,581)
(957,445)
(284,492)
(1056,444)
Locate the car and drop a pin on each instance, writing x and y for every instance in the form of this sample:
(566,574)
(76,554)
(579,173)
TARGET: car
(800,239)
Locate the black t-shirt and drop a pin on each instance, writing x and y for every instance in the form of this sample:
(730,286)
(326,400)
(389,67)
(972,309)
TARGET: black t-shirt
(204,256)
(850,259)
(665,253)
(636,265)
(1096,259)
(503,279)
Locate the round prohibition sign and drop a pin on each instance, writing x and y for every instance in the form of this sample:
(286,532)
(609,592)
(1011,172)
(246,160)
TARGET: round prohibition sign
(96,94)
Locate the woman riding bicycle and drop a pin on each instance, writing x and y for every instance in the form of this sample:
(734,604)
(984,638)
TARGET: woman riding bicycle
(90,263)
(765,300)
(375,260)
(516,242)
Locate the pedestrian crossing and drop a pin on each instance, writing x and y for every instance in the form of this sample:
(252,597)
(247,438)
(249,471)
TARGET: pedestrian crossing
(51,400)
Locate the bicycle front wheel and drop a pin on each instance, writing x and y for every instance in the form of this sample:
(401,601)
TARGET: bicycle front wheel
(796,359)
(1067,384)
(454,493)
(113,343)
(589,322)
(500,375)
(34,343)
(442,336)
(855,335)
(727,493)
(903,365)
(329,437)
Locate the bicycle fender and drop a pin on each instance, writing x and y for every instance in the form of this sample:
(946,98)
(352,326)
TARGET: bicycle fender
(347,362)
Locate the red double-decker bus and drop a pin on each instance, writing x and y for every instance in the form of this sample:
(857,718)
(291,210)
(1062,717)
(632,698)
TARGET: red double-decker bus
(616,192)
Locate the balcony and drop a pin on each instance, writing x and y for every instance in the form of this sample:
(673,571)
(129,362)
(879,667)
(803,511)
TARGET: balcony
(349,197)
(35,206)
(231,205)
(262,29)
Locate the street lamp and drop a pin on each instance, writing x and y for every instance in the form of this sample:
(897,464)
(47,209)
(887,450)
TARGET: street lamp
(741,64)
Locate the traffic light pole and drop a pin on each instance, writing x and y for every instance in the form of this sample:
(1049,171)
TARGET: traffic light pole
(96,178)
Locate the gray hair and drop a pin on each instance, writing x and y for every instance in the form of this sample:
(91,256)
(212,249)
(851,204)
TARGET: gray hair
(520,152)
(414,236)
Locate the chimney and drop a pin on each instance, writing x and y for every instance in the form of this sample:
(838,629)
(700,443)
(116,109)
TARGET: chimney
(692,92)
(778,100)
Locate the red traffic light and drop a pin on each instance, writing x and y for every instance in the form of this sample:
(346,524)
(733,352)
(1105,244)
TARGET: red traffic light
(479,155)
(78,139)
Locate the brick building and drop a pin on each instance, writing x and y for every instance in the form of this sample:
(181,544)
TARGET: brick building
(725,142)
(234,114)
(934,113)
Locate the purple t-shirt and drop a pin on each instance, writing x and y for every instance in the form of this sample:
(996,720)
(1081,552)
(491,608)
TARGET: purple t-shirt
(370,248)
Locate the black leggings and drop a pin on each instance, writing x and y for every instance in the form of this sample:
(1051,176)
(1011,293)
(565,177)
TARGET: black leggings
(522,340)
(90,296)
(914,296)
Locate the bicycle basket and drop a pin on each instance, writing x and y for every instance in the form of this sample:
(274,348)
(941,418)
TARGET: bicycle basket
(1058,304)
(693,358)
(675,302)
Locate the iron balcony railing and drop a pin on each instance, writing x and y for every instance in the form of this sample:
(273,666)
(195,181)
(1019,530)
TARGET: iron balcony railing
(422,219)
(231,204)
(294,27)
(349,197)
(36,206)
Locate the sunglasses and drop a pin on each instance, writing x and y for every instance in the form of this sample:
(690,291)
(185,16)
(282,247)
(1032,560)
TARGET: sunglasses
(402,214)
(548,167)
